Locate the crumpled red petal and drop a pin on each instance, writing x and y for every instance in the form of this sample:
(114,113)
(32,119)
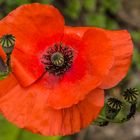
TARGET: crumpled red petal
(35,27)
(28,110)
(101,60)
(122,49)
(77,82)
(93,59)
(80,31)
(7,84)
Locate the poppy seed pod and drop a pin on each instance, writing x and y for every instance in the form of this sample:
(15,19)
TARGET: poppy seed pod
(113,108)
(7,42)
(130,95)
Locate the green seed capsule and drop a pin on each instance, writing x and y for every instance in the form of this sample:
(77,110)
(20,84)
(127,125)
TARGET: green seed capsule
(131,95)
(7,42)
(113,107)
(57,59)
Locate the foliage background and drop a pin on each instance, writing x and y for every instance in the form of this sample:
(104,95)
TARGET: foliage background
(109,14)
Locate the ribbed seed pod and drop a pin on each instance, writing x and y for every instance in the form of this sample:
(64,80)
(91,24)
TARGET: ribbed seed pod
(113,107)
(7,42)
(57,59)
(130,95)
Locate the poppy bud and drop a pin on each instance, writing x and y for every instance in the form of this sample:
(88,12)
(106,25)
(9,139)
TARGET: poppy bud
(7,42)
(113,107)
(130,95)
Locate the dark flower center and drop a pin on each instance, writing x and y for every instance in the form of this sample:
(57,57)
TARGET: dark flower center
(58,59)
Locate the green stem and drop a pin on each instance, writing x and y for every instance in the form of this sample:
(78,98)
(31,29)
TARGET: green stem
(113,121)
(19,135)
(8,59)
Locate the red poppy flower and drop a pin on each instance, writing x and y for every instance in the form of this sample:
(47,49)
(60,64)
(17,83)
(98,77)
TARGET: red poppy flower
(59,73)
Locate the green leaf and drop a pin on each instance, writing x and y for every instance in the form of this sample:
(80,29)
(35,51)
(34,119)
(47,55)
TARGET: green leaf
(112,5)
(135,35)
(17,2)
(73,9)
(7,130)
(20,2)
(111,24)
(26,135)
(89,4)
(47,1)
(1,1)
(136,58)
(3,75)
(66,138)
(98,20)
(11,132)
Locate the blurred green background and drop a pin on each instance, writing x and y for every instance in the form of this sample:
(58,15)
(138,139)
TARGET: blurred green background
(109,14)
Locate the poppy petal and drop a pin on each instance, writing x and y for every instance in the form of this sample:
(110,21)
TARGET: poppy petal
(76,30)
(85,74)
(7,84)
(77,79)
(35,26)
(80,80)
(28,110)
(122,49)
(99,53)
